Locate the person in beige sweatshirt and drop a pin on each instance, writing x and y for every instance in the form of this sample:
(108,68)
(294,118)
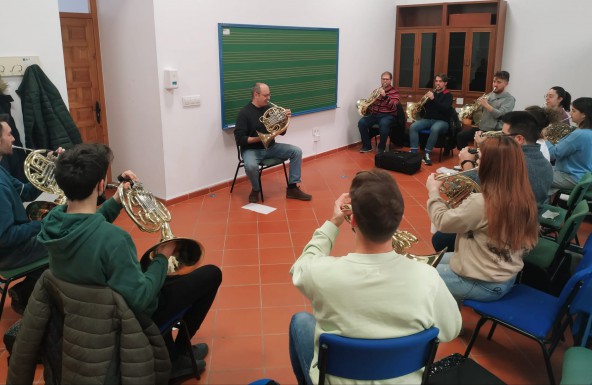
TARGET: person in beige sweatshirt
(495,228)
(372,292)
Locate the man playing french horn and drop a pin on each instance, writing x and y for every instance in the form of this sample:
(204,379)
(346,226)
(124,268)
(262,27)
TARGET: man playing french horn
(373,291)
(248,125)
(86,248)
(492,107)
(381,110)
(18,245)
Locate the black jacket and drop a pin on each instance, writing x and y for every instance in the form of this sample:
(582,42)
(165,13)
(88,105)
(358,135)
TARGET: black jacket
(48,123)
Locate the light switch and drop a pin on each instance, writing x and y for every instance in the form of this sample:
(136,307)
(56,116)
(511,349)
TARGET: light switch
(191,100)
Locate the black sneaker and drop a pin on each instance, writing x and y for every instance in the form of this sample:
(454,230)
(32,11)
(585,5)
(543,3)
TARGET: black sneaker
(296,193)
(365,149)
(426,159)
(200,351)
(183,369)
(254,196)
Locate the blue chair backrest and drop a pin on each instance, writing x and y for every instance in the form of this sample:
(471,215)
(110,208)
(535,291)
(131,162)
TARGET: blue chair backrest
(588,244)
(378,359)
(584,275)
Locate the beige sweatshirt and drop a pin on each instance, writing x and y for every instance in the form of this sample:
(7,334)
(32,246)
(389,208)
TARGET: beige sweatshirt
(474,257)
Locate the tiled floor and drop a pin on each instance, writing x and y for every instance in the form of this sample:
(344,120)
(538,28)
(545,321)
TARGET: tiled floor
(247,326)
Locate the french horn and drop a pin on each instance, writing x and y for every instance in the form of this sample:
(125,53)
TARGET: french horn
(363,104)
(151,215)
(554,132)
(40,172)
(402,240)
(276,121)
(457,187)
(473,111)
(415,111)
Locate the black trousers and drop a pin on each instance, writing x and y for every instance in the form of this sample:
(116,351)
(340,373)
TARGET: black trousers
(198,290)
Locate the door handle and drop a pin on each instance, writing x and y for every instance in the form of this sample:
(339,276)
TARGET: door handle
(98,112)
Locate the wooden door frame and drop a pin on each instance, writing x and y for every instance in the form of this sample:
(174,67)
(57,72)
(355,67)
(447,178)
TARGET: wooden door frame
(93,15)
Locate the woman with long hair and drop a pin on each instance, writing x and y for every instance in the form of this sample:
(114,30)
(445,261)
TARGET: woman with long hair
(557,98)
(573,154)
(495,228)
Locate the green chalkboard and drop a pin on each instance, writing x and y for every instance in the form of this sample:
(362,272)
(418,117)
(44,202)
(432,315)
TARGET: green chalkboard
(298,64)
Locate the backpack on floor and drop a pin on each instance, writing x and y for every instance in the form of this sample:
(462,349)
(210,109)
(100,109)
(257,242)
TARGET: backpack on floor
(406,162)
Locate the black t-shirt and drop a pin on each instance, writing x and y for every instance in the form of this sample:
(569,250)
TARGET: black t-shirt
(248,124)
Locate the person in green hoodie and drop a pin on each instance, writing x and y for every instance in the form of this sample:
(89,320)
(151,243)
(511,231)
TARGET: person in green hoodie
(86,248)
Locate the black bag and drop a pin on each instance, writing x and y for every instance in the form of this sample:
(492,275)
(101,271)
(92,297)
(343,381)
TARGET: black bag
(458,370)
(406,162)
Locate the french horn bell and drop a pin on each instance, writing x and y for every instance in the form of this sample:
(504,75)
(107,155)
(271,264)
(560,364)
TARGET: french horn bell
(151,215)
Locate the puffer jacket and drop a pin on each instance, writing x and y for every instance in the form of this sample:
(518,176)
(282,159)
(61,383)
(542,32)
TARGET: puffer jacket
(103,342)
(47,121)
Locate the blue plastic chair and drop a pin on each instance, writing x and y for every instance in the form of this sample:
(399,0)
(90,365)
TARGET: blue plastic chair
(376,359)
(582,305)
(533,313)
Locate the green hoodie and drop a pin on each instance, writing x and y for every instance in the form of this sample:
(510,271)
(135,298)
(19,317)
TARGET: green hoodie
(87,249)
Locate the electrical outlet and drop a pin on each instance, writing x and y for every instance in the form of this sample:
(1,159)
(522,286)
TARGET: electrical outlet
(316,134)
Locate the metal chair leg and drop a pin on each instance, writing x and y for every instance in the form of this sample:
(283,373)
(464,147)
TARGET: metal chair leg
(235,175)
(480,323)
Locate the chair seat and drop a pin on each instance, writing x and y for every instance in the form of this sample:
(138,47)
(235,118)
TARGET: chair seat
(537,309)
(577,368)
(556,222)
(543,253)
(6,274)
(270,162)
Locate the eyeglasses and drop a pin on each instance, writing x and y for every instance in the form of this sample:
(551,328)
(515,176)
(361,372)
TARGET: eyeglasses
(385,79)
(548,96)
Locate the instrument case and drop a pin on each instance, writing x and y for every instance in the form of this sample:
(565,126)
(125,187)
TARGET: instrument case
(406,162)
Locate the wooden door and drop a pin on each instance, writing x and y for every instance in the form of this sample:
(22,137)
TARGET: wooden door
(83,74)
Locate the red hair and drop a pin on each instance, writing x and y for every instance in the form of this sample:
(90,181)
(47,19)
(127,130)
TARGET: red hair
(510,205)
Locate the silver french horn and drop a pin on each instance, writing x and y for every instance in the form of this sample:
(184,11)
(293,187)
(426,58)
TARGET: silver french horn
(151,215)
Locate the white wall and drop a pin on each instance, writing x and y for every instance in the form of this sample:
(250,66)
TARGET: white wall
(132,92)
(32,28)
(177,151)
(197,152)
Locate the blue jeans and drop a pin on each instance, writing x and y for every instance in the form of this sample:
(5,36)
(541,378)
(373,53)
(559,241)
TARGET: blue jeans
(278,150)
(463,288)
(436,128)
(302,327)
(384,121)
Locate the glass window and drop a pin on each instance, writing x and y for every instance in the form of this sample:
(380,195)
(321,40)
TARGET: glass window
(74,6)
(456,57)
(406,59)
(428,60)
(479,56)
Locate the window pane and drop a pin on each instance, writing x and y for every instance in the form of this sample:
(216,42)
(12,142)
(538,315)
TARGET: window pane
(479,56)
(456,57)
(74,6)
(406,60)
(428,60)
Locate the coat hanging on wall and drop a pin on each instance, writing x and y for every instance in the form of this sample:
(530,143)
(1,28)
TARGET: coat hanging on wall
(48,123)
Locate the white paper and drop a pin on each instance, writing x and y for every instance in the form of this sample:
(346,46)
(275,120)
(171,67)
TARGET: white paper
(261,209)
(564,197)
(44,197)
(550,214)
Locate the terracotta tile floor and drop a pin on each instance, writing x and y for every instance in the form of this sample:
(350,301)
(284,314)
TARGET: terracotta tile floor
(247,326)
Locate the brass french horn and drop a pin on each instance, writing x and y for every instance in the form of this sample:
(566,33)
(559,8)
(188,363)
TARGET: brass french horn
(457,187)
(276,121)
(402,240)
(473,111)
(415,111)
(40,171)
(554,132)
(151,215)
(363,104)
